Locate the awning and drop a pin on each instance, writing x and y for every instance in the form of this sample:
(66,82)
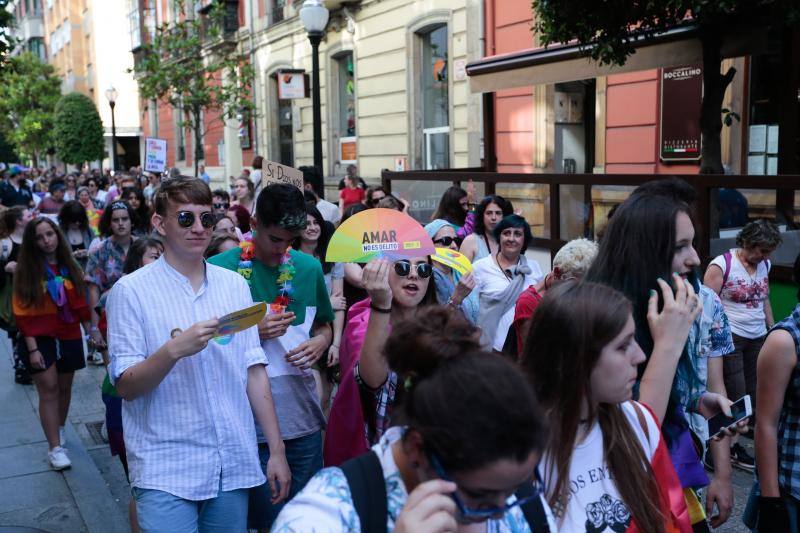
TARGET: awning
(562,63)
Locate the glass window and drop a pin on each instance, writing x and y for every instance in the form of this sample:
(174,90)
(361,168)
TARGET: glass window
(347,96)
(435,101)
(285,133)
(135,24)
(277,10)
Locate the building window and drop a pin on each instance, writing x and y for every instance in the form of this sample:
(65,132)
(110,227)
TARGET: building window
(347,95)
(277,10)
(135,24)
(434,89)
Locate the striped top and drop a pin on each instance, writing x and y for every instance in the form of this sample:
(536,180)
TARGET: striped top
(195,429)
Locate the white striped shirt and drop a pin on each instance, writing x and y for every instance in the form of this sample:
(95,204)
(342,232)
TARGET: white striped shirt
(196,427)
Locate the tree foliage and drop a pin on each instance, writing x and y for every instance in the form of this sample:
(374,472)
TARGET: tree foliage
(608,31)
(78,130)
(185,65)
(7,39)
(29,91)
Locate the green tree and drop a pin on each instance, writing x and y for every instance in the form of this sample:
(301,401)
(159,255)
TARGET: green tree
(29,91)
(78,130)
(7,39)
(192,64)
(609,29)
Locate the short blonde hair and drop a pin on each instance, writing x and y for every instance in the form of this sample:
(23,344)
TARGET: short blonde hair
(575,258)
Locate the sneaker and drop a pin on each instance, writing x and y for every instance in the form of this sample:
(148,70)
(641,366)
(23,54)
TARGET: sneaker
(95,358)
(741,458)
(58,458)
(62,439)
(708,461)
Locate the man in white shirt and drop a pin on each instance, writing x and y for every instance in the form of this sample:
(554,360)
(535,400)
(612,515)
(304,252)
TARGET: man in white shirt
(190,400)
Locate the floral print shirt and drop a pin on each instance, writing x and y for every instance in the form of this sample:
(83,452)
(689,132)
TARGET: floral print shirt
(325,504)
(709,337)
(105,263)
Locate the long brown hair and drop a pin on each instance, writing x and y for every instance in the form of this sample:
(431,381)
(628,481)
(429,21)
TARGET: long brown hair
(30,273)
(570,328)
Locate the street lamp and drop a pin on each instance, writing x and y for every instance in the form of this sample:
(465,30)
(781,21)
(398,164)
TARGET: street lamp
(111,96)
(314,16)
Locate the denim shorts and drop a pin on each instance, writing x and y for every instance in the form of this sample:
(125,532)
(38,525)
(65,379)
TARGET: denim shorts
(158,511)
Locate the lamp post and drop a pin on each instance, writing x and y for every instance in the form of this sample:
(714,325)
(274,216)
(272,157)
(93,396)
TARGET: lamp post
(314,16)
(111,96)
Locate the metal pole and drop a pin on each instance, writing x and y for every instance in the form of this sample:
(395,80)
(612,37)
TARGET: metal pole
(315,38)
(113,139)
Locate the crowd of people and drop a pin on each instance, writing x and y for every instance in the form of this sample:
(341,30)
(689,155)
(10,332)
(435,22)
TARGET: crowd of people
(401,395)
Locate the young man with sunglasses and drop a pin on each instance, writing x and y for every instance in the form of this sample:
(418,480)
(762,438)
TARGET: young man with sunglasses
(190,396)
(294,336)
(221,201)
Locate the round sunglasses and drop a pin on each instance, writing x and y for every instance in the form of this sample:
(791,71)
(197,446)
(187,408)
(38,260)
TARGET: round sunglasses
(186,219)
(403,269)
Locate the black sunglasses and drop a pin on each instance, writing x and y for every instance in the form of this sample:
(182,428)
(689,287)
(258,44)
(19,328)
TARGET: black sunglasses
(403,269)
(186,219)
(226,205)
(445,241)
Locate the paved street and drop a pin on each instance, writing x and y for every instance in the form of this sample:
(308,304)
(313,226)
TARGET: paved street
(93,495)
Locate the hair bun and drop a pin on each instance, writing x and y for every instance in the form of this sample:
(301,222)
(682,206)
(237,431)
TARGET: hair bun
(418,346)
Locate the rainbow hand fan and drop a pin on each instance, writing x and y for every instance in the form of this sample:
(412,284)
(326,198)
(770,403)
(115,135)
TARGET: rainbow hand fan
(455,260)
(378,232)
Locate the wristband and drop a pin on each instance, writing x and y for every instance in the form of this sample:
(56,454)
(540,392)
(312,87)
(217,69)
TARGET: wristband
(380,309)
(34,350)
(94,328)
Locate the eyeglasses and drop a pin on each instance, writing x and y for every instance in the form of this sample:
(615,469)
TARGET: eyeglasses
(403,269)
(488,512)
(225,205)
(445,241)
(186,219)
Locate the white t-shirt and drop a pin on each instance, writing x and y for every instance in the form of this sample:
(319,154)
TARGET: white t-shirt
(743,296)
(490,280)
(594,502)
(329,211)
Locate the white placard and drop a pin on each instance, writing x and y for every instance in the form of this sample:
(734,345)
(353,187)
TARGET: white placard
(291,85)
(756,165)
(758,139)
(772,139)
(459,70)
(155,155)
(772,166)
(272,172)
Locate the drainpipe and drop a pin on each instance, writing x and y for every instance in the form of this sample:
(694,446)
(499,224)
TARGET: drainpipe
(255,80)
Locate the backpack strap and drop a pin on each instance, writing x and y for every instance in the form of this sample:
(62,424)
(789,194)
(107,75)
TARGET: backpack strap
(533,510)
(368,489)
(727,257)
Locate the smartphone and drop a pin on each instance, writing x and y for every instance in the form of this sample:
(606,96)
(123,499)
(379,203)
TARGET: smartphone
(740,410)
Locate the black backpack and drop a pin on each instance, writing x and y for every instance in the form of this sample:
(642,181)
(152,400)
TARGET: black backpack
(368,489)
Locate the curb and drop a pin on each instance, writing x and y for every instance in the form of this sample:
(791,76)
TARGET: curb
(98,508)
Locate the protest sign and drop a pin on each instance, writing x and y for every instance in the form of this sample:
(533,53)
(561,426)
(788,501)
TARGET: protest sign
(155,155)
(272,172)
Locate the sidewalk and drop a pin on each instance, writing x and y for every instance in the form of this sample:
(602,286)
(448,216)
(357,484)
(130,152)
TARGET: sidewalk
(31,494)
